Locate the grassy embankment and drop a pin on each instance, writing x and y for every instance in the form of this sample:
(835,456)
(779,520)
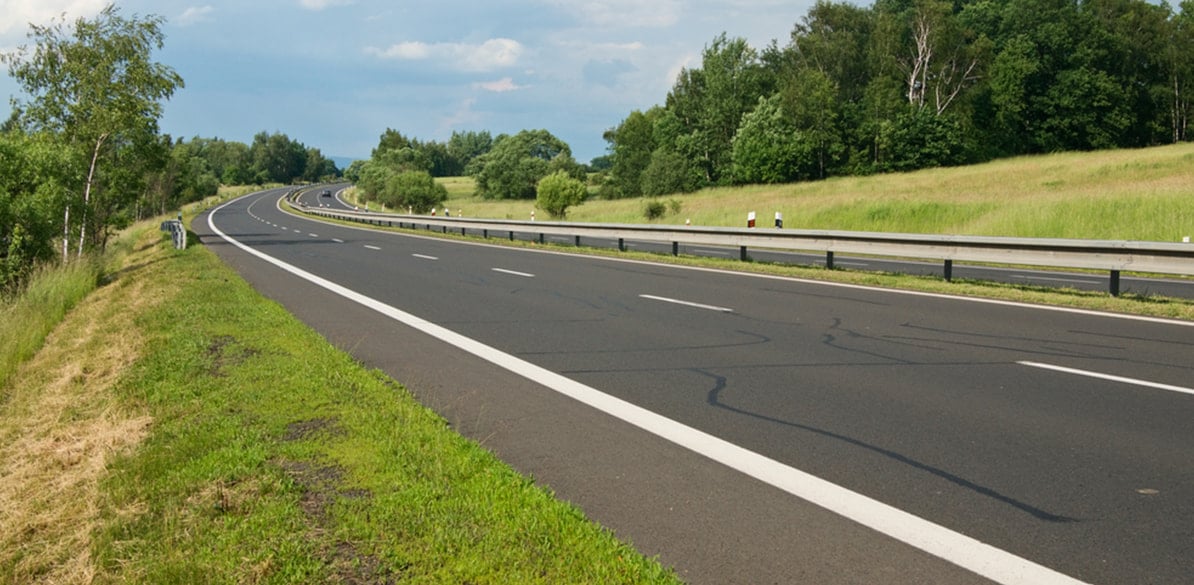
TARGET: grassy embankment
(1145,194)
(176,427)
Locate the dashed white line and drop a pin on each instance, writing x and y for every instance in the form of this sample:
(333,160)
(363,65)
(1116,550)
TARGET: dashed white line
(687,303)
(372,247)
(425,257)
(338,240)
(514,272)
(1109,377)
(313,235)
(990,562)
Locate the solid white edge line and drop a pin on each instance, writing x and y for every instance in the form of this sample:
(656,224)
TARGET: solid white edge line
(1109,377)
(687,303)
(915,293)
(514,272)
(966,552)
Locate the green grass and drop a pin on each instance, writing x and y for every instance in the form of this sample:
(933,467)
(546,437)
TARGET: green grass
(1142,194)
(29,315)
(274,458)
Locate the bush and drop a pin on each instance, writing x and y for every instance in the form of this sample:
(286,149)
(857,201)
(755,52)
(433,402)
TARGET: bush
(654,209)
(557,192)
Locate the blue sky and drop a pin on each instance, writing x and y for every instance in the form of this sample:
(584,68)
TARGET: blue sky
(334,74)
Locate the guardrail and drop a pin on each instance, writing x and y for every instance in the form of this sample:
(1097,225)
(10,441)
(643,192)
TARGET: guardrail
(1114,256)
(178,232)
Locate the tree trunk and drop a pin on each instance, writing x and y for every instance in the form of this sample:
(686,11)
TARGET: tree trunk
(87,190)
(66,235)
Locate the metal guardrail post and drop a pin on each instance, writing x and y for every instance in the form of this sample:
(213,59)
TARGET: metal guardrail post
(1114,283)
(829,260)
(949,271)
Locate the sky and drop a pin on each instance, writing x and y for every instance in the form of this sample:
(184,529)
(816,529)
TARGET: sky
(335,74)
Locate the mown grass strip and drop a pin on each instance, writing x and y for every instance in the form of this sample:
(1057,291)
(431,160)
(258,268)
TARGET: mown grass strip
(178,428)
(272,457)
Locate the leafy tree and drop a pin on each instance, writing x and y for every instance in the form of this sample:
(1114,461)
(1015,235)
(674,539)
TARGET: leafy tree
(34,186)
(276,158)
(95,85)
(769,149)
(668,172)
(631,145)
(1177,56)
(513,168)
(465,147)
(709,104)
(414,189)
(557,192)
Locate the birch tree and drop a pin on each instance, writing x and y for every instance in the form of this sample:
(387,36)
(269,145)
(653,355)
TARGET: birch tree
(94,84)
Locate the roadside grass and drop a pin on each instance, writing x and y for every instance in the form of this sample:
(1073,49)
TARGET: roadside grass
(27,316)
(179,428)
(1141,194)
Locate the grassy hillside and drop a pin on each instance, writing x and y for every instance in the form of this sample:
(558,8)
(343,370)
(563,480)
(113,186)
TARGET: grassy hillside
(1145,194)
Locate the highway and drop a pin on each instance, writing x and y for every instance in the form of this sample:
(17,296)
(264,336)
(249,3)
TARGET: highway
(698,413)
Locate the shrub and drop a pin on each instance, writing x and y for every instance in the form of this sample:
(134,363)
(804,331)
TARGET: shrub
(557,192)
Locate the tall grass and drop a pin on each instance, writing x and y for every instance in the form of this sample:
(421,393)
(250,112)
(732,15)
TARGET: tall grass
(1142,194)
(28,316)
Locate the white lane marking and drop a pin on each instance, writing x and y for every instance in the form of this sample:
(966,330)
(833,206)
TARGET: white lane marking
(1109,377)
(981,558)
(1051,279)
(372,247)
(338,240)
(808,281)
(313,235)
(514,272)
(424,257)
(687,303)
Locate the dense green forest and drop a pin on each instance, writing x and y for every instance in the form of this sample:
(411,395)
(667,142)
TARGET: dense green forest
(82,155)
(896,86)
(910,84)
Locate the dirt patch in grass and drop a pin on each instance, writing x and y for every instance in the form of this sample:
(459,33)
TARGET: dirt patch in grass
(321,486)
(59,431)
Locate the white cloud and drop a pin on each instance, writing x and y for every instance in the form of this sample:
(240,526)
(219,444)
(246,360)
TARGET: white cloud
(488,56)
(623,13)
(19,13)
(195,14)
(500,86)
(321,4)
(411,51)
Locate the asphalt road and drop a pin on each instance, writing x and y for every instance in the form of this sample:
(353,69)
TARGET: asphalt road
(1030,444)
(1175,287)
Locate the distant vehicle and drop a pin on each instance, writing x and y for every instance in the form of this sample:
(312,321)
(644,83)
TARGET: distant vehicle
(326,193)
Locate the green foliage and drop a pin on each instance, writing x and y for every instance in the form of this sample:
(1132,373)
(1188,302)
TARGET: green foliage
(557,192)
(516,164)
(668,172)
(908,84)
(918,139)
(654,209)
(34,186)
(631,145)
(400,189)
(769,148)
(95,87)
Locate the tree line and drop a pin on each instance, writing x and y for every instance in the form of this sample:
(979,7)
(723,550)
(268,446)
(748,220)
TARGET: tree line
(909,84)
(401,171)
(82,155)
